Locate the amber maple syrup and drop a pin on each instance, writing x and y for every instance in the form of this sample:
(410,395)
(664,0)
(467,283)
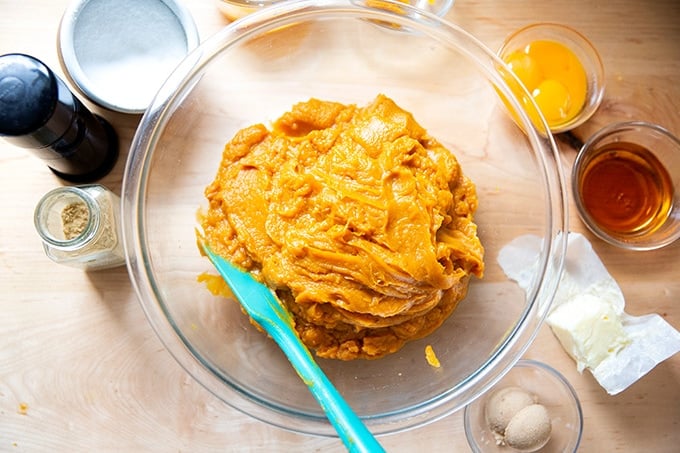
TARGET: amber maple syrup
(626,190)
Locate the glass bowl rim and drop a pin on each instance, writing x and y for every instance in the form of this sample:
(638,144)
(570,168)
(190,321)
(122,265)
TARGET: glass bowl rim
(135,182)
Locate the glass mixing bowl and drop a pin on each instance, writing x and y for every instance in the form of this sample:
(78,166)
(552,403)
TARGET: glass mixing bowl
(254,70)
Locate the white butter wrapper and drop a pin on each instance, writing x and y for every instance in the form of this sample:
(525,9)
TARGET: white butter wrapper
(650,339)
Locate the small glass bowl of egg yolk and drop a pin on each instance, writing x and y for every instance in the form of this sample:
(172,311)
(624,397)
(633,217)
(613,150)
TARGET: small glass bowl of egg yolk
(561,71)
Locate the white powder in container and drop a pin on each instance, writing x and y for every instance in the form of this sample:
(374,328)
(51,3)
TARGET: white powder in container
(123,50)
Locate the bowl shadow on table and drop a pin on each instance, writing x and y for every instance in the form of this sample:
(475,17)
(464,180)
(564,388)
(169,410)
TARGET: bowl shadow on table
(116,294)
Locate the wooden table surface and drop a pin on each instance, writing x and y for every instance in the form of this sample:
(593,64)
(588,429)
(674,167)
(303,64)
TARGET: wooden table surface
(82,370)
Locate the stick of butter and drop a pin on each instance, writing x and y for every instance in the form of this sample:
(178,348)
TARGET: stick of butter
(587,314)
(589,329)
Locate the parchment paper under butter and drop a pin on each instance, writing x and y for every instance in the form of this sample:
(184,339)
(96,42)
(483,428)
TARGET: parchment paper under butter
(652,339)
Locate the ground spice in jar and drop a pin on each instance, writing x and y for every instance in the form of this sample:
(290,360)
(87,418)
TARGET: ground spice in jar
(79,227)
(74,218)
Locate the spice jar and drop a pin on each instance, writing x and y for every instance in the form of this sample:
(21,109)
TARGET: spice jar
(80,227)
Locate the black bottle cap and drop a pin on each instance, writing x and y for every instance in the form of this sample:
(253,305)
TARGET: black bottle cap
(39,112)
(28,95)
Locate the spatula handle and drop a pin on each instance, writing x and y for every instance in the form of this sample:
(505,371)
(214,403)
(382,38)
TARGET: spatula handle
(350,428)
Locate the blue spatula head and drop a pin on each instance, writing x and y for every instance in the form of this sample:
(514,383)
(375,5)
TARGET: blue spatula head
(257,299)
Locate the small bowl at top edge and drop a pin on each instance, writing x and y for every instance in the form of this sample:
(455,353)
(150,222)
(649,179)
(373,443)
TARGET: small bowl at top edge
(236,9)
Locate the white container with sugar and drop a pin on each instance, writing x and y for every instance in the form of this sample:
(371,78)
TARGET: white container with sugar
(118,53)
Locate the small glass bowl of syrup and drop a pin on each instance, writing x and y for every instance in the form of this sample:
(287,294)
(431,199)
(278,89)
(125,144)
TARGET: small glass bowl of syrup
(626,185)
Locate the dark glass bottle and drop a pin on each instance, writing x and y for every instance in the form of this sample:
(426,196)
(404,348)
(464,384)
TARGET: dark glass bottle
(39,112)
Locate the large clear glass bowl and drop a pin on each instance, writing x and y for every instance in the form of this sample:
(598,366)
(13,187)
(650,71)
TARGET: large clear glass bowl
(349,51)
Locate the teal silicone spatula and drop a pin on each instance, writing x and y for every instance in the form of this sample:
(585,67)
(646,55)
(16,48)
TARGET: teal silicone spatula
(265,309)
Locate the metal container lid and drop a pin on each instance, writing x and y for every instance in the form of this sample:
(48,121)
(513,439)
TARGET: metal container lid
(118,53)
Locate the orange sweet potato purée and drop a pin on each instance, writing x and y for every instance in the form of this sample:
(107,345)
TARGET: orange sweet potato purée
(359,220)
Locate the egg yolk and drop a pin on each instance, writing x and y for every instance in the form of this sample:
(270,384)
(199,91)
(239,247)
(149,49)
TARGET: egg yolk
(526,69)
(553,99)
(554,76)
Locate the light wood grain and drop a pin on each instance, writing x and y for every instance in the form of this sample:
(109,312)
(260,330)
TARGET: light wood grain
(82,370)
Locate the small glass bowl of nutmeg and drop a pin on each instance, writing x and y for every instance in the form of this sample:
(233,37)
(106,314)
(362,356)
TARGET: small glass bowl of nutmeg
(532,408)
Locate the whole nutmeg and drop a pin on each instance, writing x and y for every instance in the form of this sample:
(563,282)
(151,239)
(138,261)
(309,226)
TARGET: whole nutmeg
(503,405)
(529,429)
